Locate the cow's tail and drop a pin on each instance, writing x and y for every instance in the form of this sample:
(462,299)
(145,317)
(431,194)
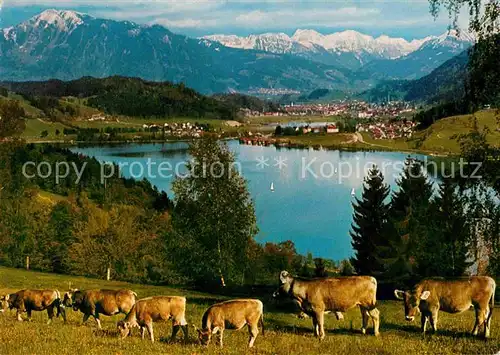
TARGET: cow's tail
(492,304)
(261,321)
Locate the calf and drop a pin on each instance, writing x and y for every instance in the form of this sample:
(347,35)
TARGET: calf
(154,309)
(233,314)
(451,296)
(96,302)
(318,296)
(34,300)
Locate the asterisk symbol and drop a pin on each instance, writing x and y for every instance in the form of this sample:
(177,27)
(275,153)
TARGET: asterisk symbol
(280,162)
(262,162)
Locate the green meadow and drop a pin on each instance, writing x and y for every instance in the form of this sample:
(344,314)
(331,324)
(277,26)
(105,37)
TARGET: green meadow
(284,332)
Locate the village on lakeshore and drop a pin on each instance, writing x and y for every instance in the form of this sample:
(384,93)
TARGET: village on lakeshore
(390,120)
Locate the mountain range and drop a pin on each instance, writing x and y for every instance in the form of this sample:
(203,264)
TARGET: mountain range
(354,50)
(67,45)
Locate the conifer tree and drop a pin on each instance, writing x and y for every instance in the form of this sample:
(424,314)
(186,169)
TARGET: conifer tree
(408,215)
(444,250)
(369,227)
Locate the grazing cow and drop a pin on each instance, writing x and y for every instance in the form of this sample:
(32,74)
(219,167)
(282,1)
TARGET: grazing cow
(95,302)
(233,314)
(451,296)
(318,296)
(153,309)
(34,300)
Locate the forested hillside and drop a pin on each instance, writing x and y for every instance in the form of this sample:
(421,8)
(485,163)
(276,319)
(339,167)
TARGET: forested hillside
(442,84)
(126,96)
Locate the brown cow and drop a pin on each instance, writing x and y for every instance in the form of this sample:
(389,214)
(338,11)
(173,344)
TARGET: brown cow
(95,302)
(337,295)
(153,309)
(233,314)
(34,300)
(451,296)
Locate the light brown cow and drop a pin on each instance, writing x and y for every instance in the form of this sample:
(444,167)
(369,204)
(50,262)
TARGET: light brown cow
(337,295)
(451,296)
(154,309)
(95,302)
(233,314)
(34,300)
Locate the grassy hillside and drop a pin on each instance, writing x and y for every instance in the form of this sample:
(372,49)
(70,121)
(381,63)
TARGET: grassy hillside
(441,137)
(285,334)
(34,127)
(442,134)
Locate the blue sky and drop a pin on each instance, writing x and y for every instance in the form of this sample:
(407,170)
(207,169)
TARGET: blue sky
(397,18)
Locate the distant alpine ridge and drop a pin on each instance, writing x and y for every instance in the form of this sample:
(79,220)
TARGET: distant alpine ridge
(310,40)
(351,49)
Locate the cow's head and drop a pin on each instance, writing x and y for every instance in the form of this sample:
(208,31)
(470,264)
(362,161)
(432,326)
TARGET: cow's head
(205,335)
(285,281)
(73,298)
(4,303)
(411,301)
(124,328)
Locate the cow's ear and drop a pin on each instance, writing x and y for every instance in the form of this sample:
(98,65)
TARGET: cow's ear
(7,297)
(400,295)
(283,276)
(425,295)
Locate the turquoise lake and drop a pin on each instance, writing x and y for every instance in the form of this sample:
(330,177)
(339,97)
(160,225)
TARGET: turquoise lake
(313,190)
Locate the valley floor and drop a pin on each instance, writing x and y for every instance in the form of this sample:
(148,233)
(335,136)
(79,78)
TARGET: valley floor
(442,138)
(285,334)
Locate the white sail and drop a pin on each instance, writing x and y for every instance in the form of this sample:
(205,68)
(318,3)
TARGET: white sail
(272,186)
(353,192)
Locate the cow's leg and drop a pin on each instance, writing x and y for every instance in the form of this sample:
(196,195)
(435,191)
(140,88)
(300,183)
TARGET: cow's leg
(487,323)
(365,316)
(62,310)
(480,319)
(50,313)
(175,330)
(320,317)
(254,331)
(143,331)
(476,322)
(375,315)
(85,318)
(18,313)
(423,321)
(98,321)
(149,326)
(185,330)
(29,314)
(221,334)
(434,319)
(315,325)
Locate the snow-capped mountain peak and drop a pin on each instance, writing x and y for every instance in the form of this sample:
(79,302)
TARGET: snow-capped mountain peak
(308,37)
(349,41)
(62,19)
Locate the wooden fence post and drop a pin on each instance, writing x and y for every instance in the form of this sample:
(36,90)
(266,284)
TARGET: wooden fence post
(108,275)
(27,263)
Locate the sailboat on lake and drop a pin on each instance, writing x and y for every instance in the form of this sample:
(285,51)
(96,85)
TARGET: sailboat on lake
(272,187)
(353,192)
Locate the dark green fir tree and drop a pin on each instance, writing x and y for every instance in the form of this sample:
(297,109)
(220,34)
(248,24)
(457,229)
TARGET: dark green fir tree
(370,221)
